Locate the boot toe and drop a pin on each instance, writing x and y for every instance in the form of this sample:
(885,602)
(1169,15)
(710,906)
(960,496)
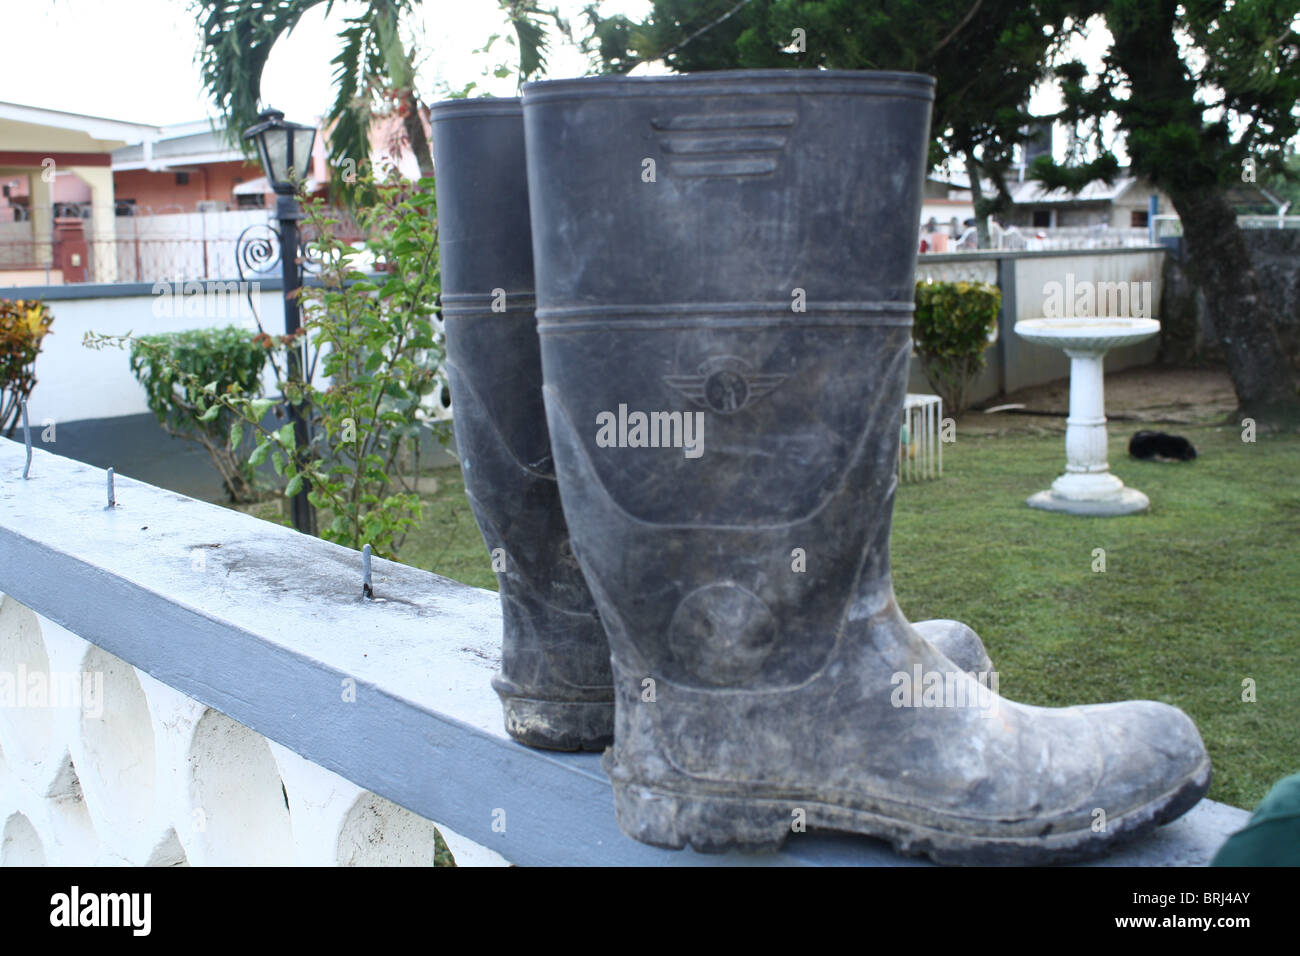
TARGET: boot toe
(1154,766)
(957,642)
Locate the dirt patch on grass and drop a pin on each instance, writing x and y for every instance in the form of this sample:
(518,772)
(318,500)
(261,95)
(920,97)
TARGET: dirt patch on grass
(1156,395)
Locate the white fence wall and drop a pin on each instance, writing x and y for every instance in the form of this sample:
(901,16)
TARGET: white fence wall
(964,268)
(75,383)
(1025,364)
(1024,278)
(196,245)
(108,766)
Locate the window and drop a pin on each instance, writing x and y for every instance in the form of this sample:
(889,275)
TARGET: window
(252,201)
(182,179)
(1137,218)
(1042,218)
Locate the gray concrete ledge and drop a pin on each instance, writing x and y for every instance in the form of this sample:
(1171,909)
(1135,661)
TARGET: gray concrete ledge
(120,290)
(273,625)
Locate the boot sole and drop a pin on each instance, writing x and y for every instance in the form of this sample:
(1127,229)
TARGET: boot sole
(718,824)
(559,724)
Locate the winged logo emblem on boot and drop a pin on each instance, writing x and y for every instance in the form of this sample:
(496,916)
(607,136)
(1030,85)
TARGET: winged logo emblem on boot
(726,384)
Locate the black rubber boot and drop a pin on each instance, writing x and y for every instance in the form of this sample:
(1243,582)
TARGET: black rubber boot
(725,268)
(555,680)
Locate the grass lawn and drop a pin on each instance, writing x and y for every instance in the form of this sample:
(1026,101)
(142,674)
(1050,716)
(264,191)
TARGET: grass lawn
(1197,596)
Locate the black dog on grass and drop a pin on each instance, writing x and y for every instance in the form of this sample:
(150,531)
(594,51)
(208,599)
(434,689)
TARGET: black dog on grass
(1157,446)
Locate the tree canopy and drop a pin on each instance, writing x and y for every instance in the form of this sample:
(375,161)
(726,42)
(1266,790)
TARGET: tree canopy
(1201,90)
(1206,94)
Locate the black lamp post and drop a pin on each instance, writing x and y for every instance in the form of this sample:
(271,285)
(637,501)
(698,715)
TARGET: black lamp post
(285,151)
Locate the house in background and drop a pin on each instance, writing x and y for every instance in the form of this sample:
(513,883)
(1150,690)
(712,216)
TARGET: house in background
(183,199)
(190,167)
(1122,204)
(946,204)
(87,199)
(50,162)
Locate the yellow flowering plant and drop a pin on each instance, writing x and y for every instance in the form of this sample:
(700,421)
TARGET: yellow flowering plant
(24,323)
(951,329)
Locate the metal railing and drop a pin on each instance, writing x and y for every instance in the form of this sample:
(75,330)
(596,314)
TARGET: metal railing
(170,247)
(1032,239)
(136,259)
(1171,226)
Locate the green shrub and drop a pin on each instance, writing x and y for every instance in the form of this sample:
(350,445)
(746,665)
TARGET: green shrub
(381,348)
(373,351)
(182,372)
(951,332)
(23,324)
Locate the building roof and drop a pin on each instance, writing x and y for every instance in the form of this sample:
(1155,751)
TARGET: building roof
(1035,193)
(96,127)
(27,129)
(960,179)
(184,144)
(260,185)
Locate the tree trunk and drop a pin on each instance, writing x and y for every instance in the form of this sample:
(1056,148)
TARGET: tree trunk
(414,127)
(1164,104)
(977,200)
(1247,328)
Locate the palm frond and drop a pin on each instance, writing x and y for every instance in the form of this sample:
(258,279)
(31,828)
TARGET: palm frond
(238,36)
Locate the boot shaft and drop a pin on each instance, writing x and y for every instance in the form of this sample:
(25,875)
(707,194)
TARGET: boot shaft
(485,253)
(724,306)
(555,675)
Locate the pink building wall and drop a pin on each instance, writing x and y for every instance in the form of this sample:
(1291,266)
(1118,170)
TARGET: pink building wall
(159,192)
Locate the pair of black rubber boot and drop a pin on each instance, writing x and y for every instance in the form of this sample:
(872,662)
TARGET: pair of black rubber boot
(679,438)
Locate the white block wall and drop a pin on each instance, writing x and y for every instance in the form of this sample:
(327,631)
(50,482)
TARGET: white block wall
(130,771)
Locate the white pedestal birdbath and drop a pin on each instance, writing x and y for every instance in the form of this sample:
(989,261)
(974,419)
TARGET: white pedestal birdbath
(1087,487)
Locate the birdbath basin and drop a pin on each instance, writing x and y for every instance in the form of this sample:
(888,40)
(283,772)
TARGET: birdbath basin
(1087,487)
(1090,335)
